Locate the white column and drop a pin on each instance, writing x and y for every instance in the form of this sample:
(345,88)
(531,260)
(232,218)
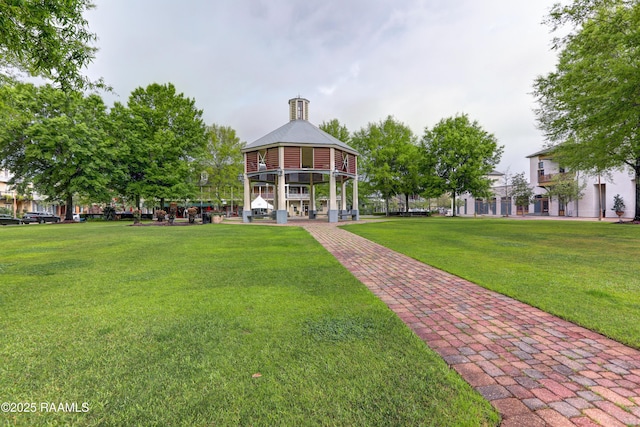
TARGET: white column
(281,214)
(355,212)
(343,196)
(333,205)
(312,198)
(246,209)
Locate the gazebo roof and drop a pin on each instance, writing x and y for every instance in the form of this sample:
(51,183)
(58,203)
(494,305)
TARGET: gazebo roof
(298,132)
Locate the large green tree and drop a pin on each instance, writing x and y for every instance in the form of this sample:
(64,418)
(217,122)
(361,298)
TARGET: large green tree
(589,107)
(56,142)
(222,161)
(161,135)
(388,159)
(336,129)
(339,131)
(461,155)
(46,38)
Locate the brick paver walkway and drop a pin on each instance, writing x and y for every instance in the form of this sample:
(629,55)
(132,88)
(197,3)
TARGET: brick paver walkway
(535,368)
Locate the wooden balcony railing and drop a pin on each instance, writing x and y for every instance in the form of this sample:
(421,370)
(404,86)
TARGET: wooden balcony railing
(545,179)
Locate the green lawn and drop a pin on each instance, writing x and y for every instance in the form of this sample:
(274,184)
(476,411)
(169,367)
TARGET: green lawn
(586,272)
(172,325)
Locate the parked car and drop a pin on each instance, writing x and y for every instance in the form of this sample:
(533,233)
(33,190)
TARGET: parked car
(40,217)
(8,219)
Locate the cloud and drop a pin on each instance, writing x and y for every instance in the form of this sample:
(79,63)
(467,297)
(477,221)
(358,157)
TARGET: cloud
(345,78)
(357,61)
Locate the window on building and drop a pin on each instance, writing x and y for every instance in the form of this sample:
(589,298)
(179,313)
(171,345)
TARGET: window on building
(300,111)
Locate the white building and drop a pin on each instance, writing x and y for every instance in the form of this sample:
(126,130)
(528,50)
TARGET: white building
(298,199)
(598,193)
(20,203)
(499,203)
(598,190)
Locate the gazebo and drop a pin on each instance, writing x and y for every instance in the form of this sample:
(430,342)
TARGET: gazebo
(302,154)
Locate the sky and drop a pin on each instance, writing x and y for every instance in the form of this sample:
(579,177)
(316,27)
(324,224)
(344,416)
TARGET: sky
(357,61)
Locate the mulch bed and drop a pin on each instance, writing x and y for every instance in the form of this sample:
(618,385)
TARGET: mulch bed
(164,224)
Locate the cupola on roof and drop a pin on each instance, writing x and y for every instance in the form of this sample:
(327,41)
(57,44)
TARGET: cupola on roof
(298,131)
(298,109)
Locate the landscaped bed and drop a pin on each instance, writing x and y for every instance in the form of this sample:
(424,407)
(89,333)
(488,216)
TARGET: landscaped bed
(583,271)
(209,325)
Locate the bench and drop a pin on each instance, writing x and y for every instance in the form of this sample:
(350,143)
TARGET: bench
(346,215)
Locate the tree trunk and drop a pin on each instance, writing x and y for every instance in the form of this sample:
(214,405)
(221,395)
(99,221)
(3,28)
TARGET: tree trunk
(453,209)
(138,202)
(386,202)
(636,216)
(68,215)
(406,203)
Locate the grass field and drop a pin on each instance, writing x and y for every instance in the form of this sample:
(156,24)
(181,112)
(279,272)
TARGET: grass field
(207,325)
(586,272)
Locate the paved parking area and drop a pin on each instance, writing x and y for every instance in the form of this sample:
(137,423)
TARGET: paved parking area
(535,368)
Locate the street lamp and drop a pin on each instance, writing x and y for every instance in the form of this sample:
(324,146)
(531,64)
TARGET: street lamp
(204,177)
(240,179)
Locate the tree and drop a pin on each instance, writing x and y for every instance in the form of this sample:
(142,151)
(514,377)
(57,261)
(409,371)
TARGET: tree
(222,160)
(161,134)
(566,188)
(521,192)
(47,38)
(507,182)
(461,155)
(388,159)
(411,181)
(337,130)
(55,141)
(588,107)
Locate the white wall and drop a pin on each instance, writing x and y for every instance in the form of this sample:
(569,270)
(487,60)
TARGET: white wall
(618,182)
